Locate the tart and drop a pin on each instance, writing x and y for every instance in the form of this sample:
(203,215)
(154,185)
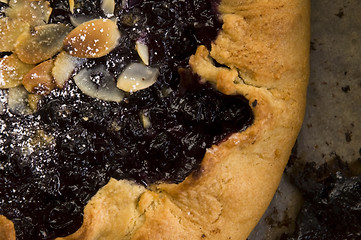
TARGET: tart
(147,119)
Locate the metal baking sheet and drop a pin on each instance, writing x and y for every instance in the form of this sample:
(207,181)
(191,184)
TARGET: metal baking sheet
(331,129)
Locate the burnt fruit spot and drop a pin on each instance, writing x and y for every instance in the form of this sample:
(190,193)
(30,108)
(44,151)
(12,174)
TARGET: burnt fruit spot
(331,209)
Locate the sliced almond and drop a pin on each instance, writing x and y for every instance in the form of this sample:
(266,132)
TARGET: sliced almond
(143,51)
(71,6)
(129,19)
(42,43)
(105,89)
(12,71)
(33,12)
(137,76)
(18,101)
(10,30)
(64,66)
(78,20)
(93,39)
(108,7)
(40,80)
(33,100)
(145,120)
(41,140)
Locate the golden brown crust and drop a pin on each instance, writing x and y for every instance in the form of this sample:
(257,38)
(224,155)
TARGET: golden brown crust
(112,213)
(7,231)
(265,45)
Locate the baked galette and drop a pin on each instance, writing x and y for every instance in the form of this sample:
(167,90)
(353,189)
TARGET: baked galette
(140,119)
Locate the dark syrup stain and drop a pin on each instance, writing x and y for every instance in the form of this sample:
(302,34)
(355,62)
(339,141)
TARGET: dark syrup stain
(348,136)
(340,13)
(346,89)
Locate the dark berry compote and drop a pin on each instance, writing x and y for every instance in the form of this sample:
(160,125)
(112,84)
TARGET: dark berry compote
(54,160)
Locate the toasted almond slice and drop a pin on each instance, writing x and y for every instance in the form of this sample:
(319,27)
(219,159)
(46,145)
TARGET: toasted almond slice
(12,71)
(143,51)
(39,80)
(137,76)
(18,101)
(64,66)
(42,43)
(78,20)
(10,30)
(33,12)
(33,100)
(108,7)
(145,120)
(40,139)
(71,6)
(104,89)
(92,39)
